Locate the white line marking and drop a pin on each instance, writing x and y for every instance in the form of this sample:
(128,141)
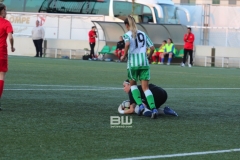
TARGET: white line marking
(105,88)
(205,88)
(79,87)
(43,85)
(70,89)
(180,154)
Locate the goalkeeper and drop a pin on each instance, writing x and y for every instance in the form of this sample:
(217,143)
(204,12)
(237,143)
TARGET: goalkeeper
(160,97)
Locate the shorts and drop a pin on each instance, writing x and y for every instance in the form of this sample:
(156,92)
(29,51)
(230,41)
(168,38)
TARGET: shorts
(3,65)
(122,52)
(139,74)
(158,53)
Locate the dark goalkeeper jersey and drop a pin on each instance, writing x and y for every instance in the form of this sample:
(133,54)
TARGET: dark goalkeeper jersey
(159,94)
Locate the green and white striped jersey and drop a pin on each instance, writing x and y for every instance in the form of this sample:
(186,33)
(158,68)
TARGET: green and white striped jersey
(137,56)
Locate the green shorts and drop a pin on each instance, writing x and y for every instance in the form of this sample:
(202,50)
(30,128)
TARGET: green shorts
(139,74)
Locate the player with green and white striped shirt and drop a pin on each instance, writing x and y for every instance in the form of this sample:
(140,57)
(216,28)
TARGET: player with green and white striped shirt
(136,43)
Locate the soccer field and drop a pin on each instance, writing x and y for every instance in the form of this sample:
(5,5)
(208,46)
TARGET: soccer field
(60,109)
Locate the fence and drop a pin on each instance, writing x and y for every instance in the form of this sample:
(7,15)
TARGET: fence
(57,26)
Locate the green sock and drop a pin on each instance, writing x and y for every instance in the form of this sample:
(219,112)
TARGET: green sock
(150,99)
(136,94)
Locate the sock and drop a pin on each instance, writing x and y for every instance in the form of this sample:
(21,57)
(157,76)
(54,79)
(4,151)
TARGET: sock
(1,87)
(154,58)
(162,60)
(169,60)
(136,94)
(159,59)
(150,99)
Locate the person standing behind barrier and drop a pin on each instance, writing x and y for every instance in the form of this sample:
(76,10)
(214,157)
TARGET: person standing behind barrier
(188,47)
(38,34)
(169,49)
(92,40)
(6,30)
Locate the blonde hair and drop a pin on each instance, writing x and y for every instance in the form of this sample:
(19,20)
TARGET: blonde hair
(132,24)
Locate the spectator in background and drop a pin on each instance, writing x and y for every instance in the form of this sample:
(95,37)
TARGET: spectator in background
(170,50)
(92,40)
(120,48)
(6,30)
(158,53)
(188,47)
(38,34)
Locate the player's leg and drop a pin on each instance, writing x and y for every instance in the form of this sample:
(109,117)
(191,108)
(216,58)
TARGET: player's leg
(119,54)
(3,70)
(92,50)
(122,53)
(190,51)
(146,112)
(36,47)
(167,110)
(116,53)
(184,58)
(162,57)
(154,58)
(133,78)
(169,58)
(159,54)
(145,77)
(40,41)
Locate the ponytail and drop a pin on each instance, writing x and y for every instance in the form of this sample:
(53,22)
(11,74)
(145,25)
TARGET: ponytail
(132,24)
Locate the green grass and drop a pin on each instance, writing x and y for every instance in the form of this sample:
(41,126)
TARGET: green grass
(48,122)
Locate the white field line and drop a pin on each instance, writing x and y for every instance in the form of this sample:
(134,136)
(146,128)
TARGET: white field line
(70,89)
(90,88)
(180,154)
(104,89)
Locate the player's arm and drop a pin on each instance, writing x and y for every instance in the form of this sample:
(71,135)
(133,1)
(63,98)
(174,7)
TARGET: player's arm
(191,39)
(9,30)
(10,37)
(126,48)
(129,111)
(126,39)
(173,47)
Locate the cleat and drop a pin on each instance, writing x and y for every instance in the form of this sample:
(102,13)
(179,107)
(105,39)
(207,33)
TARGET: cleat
(169,111)
(154,62)
(189,65)
(141,109)
(182,65)
(154,113)
(147,113)
(168,64)
(159,63)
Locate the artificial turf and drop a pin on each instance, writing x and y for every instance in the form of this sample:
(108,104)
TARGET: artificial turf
(60,109)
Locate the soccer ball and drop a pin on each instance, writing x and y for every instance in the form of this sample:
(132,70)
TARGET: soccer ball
(125,105)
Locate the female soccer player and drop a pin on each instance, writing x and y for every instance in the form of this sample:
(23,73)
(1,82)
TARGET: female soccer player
(160,97)
(170,50)
(6,30)
(159,53)
(136,43)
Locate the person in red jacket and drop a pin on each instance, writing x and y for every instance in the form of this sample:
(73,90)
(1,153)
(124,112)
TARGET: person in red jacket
(6,30)
(188,47)
(92,40)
